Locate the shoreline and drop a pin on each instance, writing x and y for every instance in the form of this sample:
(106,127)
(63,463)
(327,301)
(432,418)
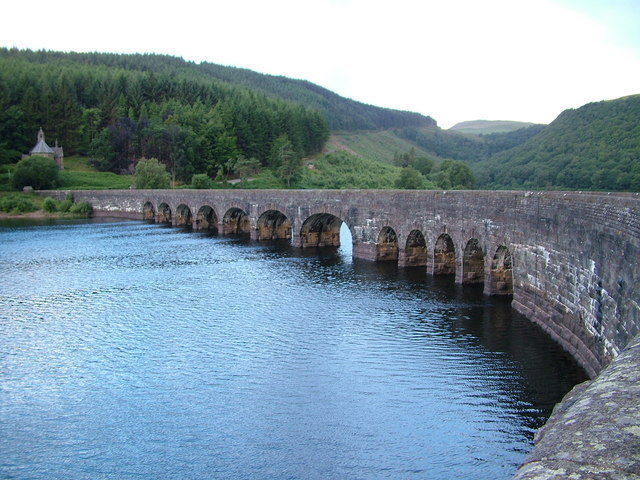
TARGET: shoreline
(37,215)
(40,215)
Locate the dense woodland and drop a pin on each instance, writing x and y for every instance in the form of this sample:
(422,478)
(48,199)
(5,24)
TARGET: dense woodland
(117,115)
(343,114)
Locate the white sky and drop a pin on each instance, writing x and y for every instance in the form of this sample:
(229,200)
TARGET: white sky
(454,60)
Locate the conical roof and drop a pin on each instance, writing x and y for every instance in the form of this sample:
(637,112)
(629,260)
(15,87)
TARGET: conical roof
(41,147)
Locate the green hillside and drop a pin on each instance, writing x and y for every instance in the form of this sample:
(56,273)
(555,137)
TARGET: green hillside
(341,113)
(229,123)
(119,108)
(380,146)
(484,127)
(194,118)
(594,147)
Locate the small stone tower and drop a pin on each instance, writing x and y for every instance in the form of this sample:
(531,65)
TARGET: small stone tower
(41,148)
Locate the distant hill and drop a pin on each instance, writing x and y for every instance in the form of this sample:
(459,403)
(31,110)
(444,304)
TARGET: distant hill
(594,147)
(483,127)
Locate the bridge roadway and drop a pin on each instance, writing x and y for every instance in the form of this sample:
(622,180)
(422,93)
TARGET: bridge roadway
(570,259)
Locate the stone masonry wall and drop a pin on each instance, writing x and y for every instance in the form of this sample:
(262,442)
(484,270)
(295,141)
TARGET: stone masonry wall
(594,433)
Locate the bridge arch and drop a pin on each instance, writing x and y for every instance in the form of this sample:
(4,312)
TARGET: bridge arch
(148,211)
(164,213)
(236,221)
(273,225)
(415,250)
(501,275)
(206,219)
(387,248)
(444,256)
(321,230)
(184,217)
(473,262)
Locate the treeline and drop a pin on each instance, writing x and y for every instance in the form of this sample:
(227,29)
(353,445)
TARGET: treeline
(119,108)
(594,147)
(419,171)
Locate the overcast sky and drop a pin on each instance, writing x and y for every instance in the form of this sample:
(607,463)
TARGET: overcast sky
(454,60)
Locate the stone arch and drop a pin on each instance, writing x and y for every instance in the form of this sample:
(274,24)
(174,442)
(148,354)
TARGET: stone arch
(273,225)
(206,219)
(321,230)
(235,221)
(415,250)
(387,248)
(502,272)
(184,218)
(148,211)
(164,213)
(473,262)
(444,256)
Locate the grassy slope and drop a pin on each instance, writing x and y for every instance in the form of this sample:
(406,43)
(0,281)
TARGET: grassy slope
(377,146)
(79,175)
(342,169)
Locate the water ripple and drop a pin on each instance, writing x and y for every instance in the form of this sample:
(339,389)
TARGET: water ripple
(130,350)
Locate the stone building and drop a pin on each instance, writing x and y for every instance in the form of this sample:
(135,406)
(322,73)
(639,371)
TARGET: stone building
(42,149)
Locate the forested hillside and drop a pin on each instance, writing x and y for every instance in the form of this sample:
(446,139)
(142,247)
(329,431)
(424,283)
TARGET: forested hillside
(115,109)
(594,147)
(342,114)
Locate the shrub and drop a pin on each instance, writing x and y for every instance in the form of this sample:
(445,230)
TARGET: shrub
(49,205)
(201,181)
(410,179)
(150,173)
(266,180)
(65,205)
(81,208)
(16,203)
(37,172)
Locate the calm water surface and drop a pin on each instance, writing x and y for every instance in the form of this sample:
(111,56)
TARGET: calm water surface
(134,351)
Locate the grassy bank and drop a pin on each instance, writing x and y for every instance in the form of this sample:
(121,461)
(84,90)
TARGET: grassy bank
(80,175)
(13,204)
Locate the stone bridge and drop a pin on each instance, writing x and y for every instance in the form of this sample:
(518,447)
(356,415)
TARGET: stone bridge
(570,259)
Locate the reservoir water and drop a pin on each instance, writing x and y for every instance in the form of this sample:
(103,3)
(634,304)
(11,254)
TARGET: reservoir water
(131,350)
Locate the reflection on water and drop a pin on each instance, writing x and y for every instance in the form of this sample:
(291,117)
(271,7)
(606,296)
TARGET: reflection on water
(132,350)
